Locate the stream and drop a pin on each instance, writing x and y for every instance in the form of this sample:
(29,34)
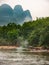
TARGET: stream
(12,57)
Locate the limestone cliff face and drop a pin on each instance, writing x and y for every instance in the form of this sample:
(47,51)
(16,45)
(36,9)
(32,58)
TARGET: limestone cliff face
(16,15)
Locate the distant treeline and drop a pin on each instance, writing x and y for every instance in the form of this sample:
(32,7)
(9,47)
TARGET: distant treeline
(36,32)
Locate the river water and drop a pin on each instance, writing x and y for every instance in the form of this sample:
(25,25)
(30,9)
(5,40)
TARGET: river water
(11,57)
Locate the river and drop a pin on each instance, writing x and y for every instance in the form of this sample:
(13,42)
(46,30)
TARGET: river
(11,57)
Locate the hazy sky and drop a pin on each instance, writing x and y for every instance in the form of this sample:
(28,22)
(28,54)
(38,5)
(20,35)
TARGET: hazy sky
(38,8)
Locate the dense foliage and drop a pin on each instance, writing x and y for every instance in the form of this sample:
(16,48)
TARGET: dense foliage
(36,32)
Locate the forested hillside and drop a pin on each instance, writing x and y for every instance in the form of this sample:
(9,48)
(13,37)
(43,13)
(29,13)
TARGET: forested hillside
(36,32)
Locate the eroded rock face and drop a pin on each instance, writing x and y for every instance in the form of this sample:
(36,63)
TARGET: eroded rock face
(16,15)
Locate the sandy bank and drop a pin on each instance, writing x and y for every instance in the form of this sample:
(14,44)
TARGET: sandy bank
(7,47)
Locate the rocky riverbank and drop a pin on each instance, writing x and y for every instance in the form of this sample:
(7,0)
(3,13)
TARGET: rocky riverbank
(24,50)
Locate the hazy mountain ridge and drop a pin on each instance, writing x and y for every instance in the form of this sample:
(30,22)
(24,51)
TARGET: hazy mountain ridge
(16,15)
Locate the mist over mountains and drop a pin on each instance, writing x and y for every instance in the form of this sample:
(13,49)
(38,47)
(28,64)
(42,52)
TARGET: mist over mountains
(16,15)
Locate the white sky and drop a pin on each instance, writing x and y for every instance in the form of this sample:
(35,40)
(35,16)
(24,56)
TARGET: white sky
(38,8)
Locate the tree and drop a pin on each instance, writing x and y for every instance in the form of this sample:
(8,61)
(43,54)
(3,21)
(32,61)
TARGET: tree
(12,36)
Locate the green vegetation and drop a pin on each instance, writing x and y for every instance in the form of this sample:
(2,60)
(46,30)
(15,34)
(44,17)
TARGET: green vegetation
(36,32)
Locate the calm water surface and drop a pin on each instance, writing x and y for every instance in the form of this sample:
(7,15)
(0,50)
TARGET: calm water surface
(11,57)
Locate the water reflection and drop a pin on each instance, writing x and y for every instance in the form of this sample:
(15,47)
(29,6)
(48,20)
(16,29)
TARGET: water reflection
(11,57)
